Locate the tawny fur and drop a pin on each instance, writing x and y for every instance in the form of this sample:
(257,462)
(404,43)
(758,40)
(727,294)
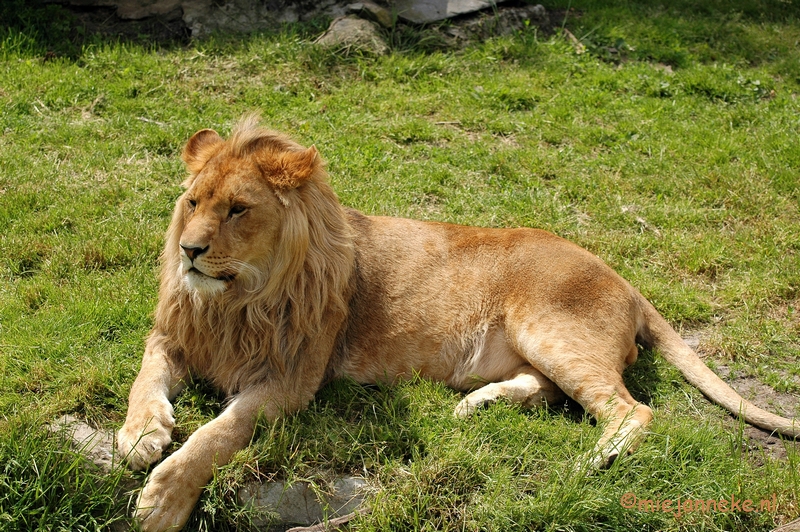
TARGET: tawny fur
(269,288)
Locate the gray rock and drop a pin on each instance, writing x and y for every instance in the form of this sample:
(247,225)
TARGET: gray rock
(97,446)
(503,22)
(139,9)
(203,17)
(426,11)
(296,503)
(354,32)
(301,504)
(372,11)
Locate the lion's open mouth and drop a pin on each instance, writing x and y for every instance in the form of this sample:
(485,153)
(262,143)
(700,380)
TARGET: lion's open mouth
(223,277)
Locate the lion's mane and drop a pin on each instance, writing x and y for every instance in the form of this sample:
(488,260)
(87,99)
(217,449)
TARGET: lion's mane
(255,329)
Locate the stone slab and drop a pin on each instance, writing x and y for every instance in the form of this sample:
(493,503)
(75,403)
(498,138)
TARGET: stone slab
(426,11)
(301,504)
(96,445)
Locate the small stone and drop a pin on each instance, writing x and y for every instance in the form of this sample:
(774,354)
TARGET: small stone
(352,31)
(537,12)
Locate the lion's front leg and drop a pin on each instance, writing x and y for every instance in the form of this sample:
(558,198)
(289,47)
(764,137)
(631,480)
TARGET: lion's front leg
(147,430)
(171,491)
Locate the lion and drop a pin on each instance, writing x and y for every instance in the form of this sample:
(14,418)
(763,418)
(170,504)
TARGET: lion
(270,288)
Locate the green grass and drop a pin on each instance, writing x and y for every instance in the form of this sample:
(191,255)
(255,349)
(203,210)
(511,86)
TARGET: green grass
(669,149)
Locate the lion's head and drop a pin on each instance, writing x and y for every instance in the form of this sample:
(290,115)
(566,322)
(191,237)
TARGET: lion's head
(238,198)
(257,252)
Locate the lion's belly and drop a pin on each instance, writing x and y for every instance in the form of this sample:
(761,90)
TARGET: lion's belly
(464,362)
(430,300)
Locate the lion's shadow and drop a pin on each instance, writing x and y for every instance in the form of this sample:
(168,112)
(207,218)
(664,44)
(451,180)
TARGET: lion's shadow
(350,426)
(347,428)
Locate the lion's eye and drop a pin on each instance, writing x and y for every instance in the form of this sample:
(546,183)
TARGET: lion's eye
(192,203)
(236,210)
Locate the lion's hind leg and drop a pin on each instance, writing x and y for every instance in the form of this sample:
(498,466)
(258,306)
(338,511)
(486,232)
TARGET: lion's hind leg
(528,387)
(625,424)
(601,391)
(588,368)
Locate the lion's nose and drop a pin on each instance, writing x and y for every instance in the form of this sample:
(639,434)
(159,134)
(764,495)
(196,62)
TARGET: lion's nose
(193,252)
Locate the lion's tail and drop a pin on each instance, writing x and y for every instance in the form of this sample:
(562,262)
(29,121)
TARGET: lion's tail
(656,332)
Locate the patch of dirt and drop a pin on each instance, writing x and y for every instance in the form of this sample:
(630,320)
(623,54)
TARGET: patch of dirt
(758,393)
(694,338)
(787,313)
(765,397)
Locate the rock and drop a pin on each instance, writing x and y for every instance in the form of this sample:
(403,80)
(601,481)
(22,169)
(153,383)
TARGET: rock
(354,32)
(97,446)
(139,9)
(203,17)
(372,11)
(296,503)
(426,11)
(300,504)
(503,22)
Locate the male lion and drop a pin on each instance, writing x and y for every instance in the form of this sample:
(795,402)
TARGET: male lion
(270,288)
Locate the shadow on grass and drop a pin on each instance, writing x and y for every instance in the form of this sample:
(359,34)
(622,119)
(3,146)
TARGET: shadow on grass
(350,427)
(43,29)
(347,428)
(643,377)
(754,10)
(682,32)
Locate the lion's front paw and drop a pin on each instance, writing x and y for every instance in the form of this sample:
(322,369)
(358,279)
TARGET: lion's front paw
(142,439)
(472,402)
(167,499)
(464,409)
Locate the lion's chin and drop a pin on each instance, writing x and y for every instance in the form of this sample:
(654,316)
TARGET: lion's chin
(202,284)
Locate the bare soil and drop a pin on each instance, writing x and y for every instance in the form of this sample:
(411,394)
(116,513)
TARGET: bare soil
(784,404)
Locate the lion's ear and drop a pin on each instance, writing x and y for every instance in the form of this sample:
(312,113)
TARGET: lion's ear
(295,167)
(200,148)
